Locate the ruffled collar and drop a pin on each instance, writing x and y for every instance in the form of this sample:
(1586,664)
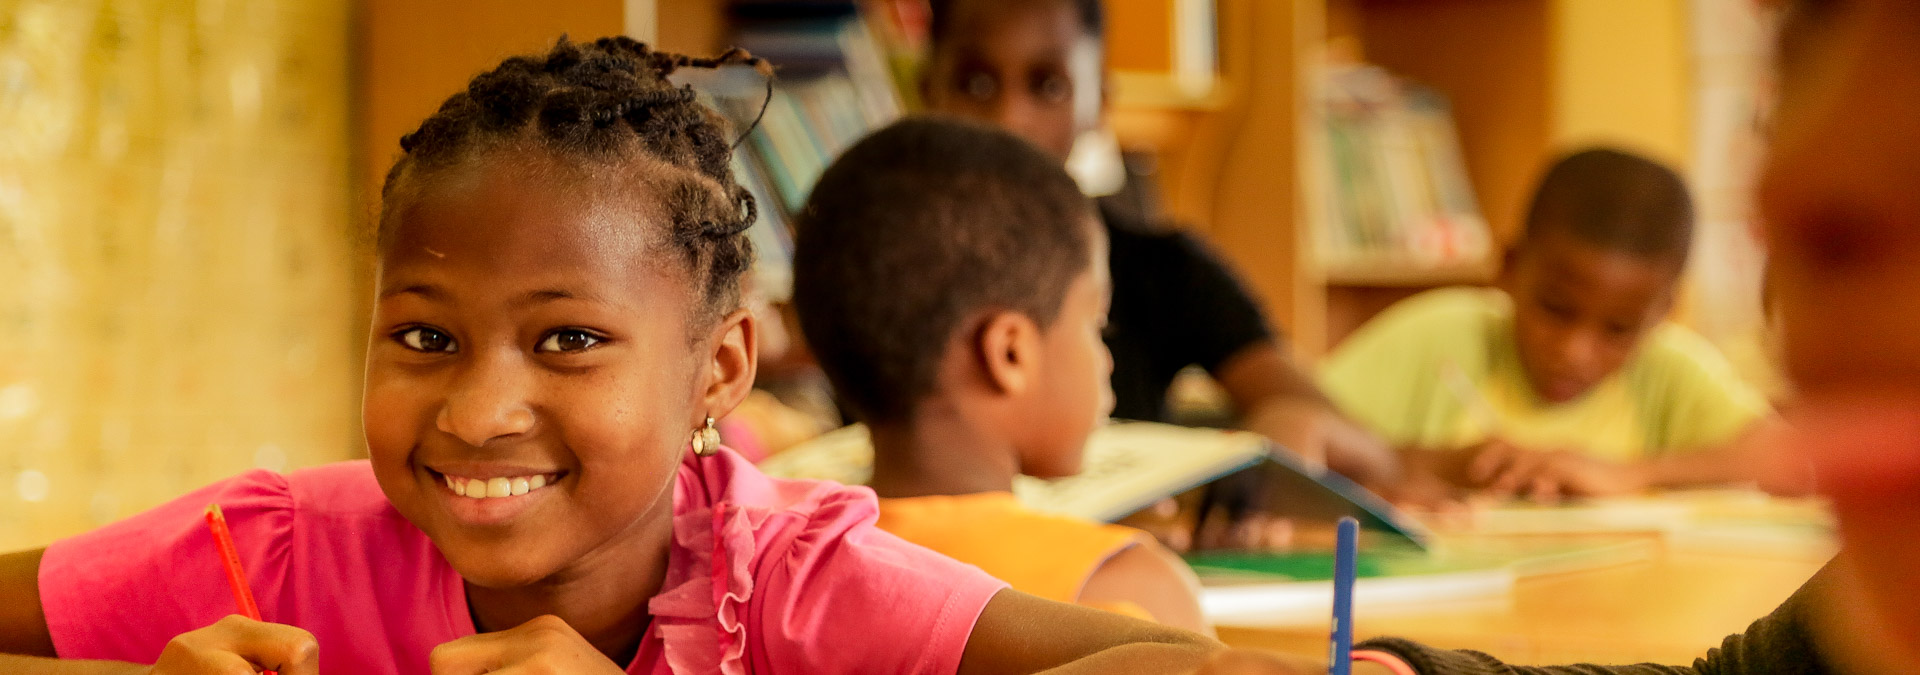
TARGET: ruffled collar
(700,614)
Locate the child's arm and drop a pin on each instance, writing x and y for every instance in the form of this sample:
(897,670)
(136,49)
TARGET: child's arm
(1781,642)
(34,665)
(1753,457)
(1153,578)
(1020,633)
(23,627)
(235,645)
(1278,401)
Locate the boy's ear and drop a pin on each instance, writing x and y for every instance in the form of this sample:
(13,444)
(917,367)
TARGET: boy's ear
(1009,350)
(732,362)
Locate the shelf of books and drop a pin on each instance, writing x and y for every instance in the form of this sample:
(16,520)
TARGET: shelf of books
(1398,209)
(834,82)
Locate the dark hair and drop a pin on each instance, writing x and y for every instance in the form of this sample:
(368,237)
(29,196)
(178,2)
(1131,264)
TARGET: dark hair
(1618,201)
(1093,20)
(605,102)
(917,229)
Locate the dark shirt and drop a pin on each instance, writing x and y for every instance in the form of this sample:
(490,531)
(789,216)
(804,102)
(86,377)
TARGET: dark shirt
(1175,304)
(1779,644)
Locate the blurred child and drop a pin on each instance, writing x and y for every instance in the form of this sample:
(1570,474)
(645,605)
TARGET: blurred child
(1566,378)
(1842,227)
(953,283)
(1036,68)
(557,323)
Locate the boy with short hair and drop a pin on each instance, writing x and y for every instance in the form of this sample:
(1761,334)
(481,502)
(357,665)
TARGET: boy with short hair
(952,282)
(1566,378)
(1035,68)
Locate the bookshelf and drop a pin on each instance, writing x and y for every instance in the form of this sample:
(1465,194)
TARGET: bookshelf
(1525,79)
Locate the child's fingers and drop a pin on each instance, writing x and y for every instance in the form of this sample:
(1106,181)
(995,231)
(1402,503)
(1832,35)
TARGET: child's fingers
(204,663)
(271,646)
(1491,460)
(474,654)
(1261,532)
(1522,470)
(1546,489)
(1167,521)
(1277,534)
(240,646)
(544,645)
(1215,530)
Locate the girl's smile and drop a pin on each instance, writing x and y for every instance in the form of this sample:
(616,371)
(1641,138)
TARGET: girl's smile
(491,494)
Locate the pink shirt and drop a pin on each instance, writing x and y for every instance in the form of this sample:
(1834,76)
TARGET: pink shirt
(764,576)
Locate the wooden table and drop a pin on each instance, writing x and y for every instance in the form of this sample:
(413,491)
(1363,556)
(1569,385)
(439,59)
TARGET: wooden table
(1668,610)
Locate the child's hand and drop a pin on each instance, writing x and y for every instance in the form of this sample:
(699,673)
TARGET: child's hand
(1430,480)
(1178,524)
(545,645)
(1502,469)
(237,645)
(1578,475)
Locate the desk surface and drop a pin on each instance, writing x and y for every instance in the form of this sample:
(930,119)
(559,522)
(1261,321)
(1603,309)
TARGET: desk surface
(1668,610)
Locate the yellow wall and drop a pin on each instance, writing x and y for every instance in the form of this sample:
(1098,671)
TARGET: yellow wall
(1623,76)
(177,282)
(413,54)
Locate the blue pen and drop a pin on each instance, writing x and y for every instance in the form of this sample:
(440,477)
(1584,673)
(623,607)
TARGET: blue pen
(1340,651)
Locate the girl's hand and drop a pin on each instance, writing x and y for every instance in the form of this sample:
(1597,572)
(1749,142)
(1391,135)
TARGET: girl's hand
(543,646)
(237,645)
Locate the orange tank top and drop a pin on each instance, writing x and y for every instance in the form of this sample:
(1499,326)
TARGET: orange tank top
(1041,554)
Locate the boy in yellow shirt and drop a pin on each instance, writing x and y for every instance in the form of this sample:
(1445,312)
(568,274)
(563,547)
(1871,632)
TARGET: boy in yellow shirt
(1566,378)
(952,281)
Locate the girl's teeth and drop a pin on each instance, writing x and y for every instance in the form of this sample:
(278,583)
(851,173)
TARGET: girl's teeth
(496,487)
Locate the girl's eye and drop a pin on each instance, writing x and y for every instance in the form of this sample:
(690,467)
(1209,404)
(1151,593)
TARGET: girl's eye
(568,341)
(423,339)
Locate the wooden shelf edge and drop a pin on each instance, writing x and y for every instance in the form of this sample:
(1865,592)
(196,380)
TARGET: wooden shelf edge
(1161,90)
(1408,273)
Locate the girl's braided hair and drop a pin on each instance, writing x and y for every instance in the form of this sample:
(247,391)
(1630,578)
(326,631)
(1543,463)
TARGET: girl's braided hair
(606,102)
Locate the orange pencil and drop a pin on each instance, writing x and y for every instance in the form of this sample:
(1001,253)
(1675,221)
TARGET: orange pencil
(229,557)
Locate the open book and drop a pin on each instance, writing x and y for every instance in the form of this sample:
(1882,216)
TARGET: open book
(1131,465)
